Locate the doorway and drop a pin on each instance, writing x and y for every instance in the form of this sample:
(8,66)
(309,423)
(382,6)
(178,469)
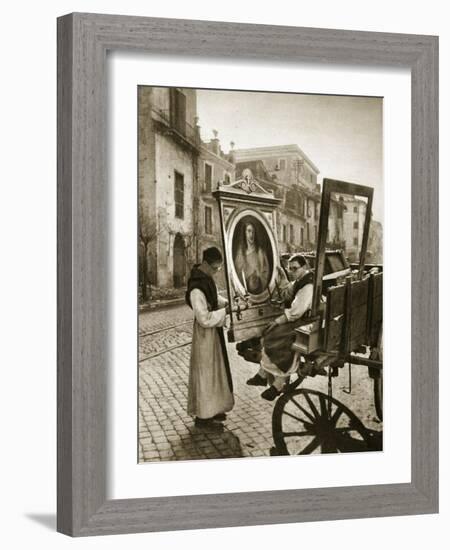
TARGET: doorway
(179,262)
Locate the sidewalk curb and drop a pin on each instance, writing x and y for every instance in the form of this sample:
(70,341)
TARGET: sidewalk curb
(161,304)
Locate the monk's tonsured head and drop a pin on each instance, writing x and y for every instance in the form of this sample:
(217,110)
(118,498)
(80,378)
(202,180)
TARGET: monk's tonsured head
(212,259)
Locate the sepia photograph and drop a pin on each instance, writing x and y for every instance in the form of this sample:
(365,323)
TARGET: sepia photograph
(260,254)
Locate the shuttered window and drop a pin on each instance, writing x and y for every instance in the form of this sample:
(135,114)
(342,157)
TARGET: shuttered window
(179,195)
(178,110)
(208,177)
(208,220)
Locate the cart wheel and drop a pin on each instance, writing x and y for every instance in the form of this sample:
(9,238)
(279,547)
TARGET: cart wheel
(307,421)
(378,381)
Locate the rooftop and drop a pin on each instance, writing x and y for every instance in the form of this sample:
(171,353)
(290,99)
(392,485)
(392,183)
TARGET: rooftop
(259,152)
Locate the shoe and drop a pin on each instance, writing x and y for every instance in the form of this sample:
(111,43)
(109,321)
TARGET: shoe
(208,424)
(257,380)
(270,394)
(221,417)
(251,343)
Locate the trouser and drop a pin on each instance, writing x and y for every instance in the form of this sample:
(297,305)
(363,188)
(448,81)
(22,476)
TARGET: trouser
(274,374)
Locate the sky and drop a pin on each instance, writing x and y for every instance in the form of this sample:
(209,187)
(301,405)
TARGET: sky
(342,135)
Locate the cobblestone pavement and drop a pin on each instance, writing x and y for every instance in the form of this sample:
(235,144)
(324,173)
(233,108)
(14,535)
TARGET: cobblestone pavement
(166,432)
(159,319)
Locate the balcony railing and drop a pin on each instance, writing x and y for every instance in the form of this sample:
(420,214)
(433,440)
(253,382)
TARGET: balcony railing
(181,128)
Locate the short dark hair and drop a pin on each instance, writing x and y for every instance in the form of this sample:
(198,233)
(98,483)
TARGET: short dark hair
(299,259)
(211,255)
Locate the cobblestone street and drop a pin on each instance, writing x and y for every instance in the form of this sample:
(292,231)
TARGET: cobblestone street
(166,432)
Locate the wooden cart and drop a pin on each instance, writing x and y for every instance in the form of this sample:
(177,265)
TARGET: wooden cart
(345,325)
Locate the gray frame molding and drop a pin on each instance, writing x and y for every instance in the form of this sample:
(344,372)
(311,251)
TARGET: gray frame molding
(83,40)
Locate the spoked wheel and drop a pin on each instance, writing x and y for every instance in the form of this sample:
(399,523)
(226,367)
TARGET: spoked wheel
(310,422)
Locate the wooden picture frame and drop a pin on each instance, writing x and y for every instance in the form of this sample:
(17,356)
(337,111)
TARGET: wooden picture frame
(83,41)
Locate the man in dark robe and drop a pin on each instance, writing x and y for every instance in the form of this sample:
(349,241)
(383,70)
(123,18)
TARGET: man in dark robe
(210,387)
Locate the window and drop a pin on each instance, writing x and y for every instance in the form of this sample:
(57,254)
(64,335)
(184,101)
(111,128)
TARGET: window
(355,241)
(282,164)
(226,177)
(179,195)
(355,225)
(315,233)
(208,177)
(307,233)
(291,231)
(178,110)
(208,220)
(284,234)
(302,236)
(355,209)
(291,200)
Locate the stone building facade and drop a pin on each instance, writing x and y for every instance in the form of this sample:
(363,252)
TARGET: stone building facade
(169,150)
(292,175)
(214,167)
(375,244)
(353,218)
(354,215)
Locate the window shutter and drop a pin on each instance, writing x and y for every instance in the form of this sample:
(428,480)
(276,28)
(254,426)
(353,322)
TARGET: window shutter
(178,110)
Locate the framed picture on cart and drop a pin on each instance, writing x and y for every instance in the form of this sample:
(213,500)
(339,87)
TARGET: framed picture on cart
(131,461)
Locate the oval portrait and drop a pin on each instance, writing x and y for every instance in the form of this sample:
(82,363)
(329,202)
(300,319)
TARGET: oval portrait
(252,254)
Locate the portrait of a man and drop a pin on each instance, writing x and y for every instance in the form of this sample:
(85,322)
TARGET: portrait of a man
(252,255)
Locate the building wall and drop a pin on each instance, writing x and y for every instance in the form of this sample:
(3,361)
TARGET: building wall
(222,169)
(161,102)
(169,157)
(288,163)
(162,152)
(375,245)
(294,175)
(354,214)
(147,179)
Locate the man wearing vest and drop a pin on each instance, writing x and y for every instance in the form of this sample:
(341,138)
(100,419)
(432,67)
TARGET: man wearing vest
(278,337)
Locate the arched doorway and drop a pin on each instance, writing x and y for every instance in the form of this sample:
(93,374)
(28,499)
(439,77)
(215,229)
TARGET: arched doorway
(179,262)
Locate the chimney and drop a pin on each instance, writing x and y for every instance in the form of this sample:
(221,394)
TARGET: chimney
(197,126)
(231,153)
(215,143)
